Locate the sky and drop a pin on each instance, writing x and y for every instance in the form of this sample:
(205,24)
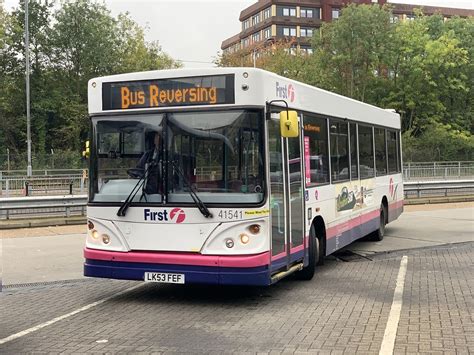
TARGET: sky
(192,30)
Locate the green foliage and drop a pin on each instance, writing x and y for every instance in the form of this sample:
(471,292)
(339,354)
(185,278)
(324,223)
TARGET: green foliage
(438,143)
(350,53)
(68,46)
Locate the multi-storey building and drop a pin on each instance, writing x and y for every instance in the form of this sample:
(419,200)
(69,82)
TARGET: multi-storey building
(299,19)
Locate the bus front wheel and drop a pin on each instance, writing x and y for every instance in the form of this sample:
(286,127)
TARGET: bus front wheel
(313,253)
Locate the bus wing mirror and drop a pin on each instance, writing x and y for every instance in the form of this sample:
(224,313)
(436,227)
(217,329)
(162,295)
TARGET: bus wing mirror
(289,124)
(86,152)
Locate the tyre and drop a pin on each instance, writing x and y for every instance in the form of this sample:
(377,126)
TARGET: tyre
(313,252)
(380,232)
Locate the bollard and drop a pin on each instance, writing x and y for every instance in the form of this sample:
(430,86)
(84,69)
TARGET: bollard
(70,187)
(27,188)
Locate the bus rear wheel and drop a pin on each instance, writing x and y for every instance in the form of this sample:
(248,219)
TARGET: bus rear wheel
(380,232)
(313,253)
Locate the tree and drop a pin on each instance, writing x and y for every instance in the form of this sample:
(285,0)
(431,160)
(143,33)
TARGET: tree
(280,57)
(68,47)
(135,54)
(352,53)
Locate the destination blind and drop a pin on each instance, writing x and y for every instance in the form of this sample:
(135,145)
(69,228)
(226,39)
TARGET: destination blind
(203,90)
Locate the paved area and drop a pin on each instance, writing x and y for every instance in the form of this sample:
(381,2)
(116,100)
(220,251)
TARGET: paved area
(344,309)
(57,255)
(424,226)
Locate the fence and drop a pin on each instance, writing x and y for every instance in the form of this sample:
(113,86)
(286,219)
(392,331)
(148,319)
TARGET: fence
(42,185)
(438,170)
(74,181)
(45,206)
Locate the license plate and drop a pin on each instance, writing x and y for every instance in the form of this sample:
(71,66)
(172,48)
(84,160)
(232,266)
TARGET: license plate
(164,277)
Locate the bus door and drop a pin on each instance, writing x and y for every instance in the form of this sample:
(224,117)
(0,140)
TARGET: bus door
(286,198)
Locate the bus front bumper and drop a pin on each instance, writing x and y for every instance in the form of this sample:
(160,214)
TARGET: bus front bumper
(217,270)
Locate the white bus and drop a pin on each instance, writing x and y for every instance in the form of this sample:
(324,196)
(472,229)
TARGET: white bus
(232,176)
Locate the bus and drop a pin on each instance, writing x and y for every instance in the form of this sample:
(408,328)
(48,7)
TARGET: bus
(232,176)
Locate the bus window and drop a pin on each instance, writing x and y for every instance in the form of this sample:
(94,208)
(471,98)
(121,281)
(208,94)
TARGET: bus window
(339,150)
(392,152)
(380,152)
(315,132)
(354,155)
(366,152)
(221,154)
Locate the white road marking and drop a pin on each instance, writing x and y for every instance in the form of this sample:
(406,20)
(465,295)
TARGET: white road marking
(64,316)
(388,342)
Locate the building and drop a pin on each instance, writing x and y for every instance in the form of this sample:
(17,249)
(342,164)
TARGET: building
(269,20)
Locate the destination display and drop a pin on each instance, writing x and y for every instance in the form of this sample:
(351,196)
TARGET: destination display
(203,90)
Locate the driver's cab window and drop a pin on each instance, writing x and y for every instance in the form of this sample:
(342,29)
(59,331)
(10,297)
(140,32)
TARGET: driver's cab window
(120,148)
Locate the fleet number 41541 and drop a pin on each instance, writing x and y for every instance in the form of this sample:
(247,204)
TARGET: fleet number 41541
(230,214)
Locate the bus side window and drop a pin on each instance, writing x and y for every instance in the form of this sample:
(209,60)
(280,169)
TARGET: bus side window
(315,132)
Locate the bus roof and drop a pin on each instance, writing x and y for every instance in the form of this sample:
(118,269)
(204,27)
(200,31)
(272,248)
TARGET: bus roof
(251,87)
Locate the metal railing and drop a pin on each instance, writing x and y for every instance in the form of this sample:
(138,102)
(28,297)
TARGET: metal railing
(428,189)
(67,206)
(45,206)
(438,170)
(43,185)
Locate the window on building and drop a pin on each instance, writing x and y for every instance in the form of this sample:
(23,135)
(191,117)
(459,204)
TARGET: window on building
(267,13)
(353,149)
(366,152)
(267,32)
(245,42)
(245,25)
(306,32)
(306,49)
(305,12)
(339,143)
(289,11)
(316,138)
(335,13)
(256,37)
(289,31)
(255,19)
(380,152)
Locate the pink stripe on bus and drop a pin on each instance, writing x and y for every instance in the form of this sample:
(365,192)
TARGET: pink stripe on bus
(179,258)
(340,228)
(278,256)
(297,249)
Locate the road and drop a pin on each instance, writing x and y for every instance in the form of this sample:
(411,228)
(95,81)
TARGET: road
(347,308)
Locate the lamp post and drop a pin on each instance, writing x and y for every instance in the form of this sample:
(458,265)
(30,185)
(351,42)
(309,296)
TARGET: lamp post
(27,65)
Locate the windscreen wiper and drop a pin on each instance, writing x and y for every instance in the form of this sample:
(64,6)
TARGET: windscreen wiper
(200,205)
(126,204)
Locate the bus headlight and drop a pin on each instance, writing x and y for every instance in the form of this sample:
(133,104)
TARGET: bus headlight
(244,238)
(95,234)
